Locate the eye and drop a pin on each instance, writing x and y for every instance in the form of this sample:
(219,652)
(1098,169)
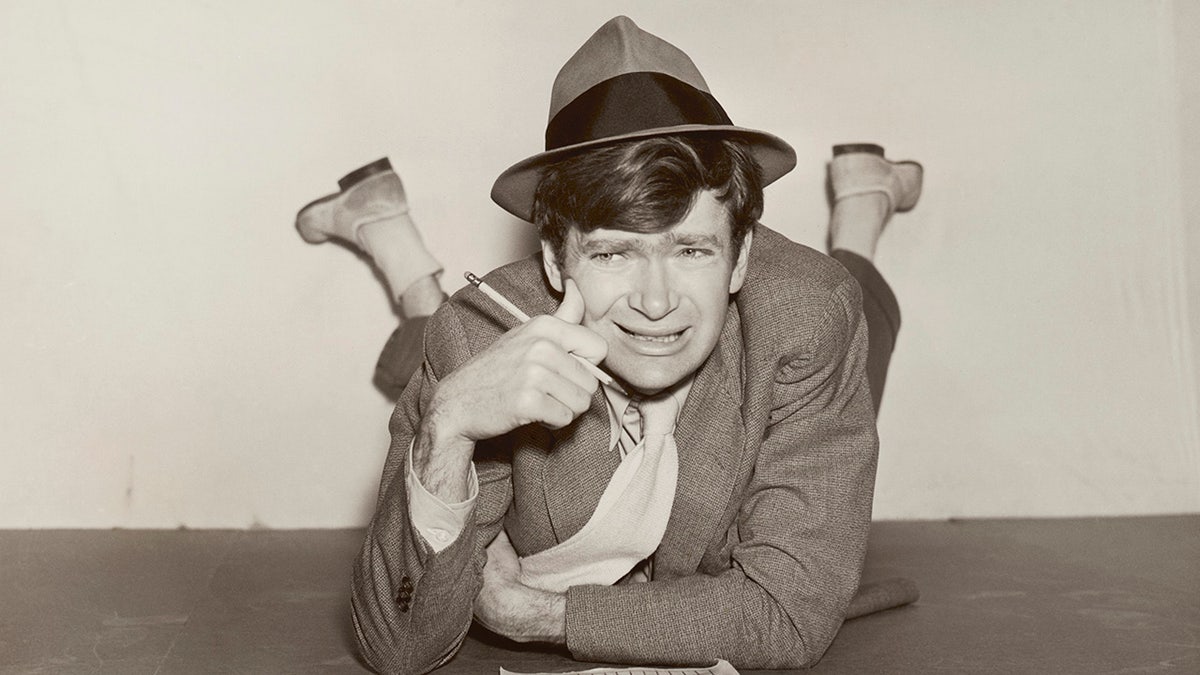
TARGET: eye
(695,253)
(604,257)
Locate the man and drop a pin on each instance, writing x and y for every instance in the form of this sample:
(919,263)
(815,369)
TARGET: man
(715,500)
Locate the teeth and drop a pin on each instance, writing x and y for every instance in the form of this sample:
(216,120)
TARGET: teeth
(654,338)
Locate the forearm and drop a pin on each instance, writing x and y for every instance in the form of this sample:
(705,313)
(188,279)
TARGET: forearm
(411,606)
(691,620)
(524,614)
(442,459)
(551,625)
(412,638)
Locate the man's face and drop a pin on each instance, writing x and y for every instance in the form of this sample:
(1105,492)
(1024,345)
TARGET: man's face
(658,299)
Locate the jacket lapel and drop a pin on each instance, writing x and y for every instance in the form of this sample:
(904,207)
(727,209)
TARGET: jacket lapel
(577,468)
(710,437)
(572,464)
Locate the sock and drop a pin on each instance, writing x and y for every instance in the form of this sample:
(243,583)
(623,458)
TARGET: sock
(398,251)
(857,222)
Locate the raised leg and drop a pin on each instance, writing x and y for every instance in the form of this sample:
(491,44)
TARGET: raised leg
(868,189)
(370,212)
(883,318)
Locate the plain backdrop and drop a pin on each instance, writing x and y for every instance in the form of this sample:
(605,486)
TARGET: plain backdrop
(172,354)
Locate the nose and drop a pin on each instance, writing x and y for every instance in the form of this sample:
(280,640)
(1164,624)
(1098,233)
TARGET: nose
(653,294)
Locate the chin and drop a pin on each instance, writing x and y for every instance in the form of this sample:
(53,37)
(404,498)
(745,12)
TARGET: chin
(648,380)
(643,389)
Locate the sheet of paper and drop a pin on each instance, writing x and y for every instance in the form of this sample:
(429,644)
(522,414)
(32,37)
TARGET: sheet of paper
(721,667)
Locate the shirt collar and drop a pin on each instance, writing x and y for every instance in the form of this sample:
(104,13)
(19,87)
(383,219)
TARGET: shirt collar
(617,402)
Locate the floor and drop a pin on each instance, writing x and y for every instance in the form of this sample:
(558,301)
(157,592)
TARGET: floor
(1000,596)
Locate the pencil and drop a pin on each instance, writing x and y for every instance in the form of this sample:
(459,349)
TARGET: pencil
(523,317)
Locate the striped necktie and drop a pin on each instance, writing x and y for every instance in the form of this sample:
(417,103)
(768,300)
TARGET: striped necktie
(631,428)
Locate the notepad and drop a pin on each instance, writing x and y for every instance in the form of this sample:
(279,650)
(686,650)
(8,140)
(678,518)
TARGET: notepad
(721,667)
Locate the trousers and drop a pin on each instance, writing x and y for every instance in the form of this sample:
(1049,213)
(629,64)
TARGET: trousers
(882,312)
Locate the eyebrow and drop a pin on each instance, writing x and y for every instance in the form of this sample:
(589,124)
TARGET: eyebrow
(706,240)
(607,244)
(637,243)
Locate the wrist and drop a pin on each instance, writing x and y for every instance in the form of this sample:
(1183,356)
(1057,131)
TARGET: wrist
(539,616)
(554,625)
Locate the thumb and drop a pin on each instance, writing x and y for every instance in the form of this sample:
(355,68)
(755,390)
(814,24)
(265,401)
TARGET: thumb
(571,309)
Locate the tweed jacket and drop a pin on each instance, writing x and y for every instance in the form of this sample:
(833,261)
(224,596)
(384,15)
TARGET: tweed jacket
(767,534)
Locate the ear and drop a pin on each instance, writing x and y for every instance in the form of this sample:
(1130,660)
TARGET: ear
(739,265)
(551,266)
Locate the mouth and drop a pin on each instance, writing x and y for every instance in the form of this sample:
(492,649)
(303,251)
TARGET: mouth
(654,337)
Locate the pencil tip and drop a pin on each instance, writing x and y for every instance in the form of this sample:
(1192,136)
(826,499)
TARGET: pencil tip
(475,281)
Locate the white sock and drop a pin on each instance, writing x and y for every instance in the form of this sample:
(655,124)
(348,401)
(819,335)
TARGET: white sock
(398,251)
(857,222)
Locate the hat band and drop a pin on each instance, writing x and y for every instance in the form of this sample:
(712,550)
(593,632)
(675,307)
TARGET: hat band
(632,103)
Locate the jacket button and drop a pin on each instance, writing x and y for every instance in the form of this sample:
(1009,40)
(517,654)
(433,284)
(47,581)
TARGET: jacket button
(403,606)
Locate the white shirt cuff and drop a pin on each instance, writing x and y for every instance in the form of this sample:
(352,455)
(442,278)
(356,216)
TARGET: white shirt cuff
(438,523)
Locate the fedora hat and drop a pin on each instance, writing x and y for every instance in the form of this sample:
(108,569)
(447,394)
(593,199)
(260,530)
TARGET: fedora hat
(624,84)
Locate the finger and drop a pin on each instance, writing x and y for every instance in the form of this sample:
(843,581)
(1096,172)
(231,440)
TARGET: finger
(585,342)
(549,362)
(571,309)
(568,337)
(577,399)
(550,399)
(554,414)
(501,553)
(573,370)
(501,536)
(542,395)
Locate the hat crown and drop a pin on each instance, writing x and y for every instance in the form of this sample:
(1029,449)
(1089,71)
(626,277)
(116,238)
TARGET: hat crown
(617,48)
(625,84)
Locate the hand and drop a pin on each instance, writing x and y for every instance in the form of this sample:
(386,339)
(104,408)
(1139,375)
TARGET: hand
(525,376)
(507,607)
(528,375)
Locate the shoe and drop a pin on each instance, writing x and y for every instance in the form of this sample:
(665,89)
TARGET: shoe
(368,194)
(371,212)
(861,168)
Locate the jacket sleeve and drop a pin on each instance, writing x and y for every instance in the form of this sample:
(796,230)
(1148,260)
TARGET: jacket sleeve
(798,540)
(412,606)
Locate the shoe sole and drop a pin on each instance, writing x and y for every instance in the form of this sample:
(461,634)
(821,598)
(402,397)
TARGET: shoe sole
(362,173)
(848,148)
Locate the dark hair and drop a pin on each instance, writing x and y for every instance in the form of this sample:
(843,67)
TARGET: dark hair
(648,185)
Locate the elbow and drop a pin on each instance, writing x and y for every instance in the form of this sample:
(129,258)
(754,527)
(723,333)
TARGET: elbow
(782,641)
(803,657)
(378,649)
(805,644)
(392,650)
(792,654)
(383,645)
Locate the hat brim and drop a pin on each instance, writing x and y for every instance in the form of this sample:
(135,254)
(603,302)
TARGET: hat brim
(514,189)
